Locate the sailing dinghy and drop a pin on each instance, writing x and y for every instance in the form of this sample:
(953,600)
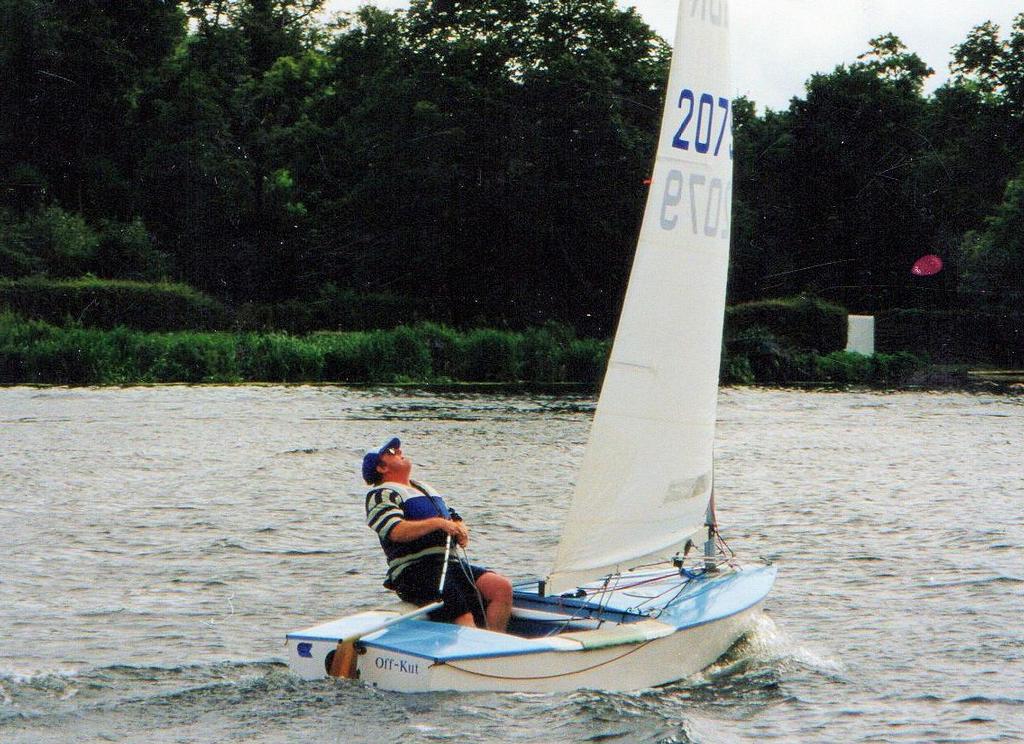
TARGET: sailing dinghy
(641,592)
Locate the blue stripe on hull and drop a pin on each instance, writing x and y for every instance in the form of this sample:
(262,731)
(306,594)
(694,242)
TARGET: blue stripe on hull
(447,642)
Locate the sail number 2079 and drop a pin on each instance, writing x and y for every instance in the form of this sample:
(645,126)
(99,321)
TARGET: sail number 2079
(707,200)
(709,120)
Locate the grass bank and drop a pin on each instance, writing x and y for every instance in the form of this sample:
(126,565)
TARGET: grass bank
(756,356)
(35,352)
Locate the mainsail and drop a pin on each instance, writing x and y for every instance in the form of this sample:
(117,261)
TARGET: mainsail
(646,473)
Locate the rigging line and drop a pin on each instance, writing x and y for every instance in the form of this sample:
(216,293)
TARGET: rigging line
(649,565)
(581,613)
(602,605)
(730,560)
(658,613)
(605,596)
(605,593)
(547,676)
(662,594)
(808,268)
(721,539)
(648,581)
(464,565)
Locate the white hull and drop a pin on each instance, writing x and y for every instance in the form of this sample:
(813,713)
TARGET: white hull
(615,648)
(617,668)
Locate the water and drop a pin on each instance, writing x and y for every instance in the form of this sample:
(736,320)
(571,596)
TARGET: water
(159,542)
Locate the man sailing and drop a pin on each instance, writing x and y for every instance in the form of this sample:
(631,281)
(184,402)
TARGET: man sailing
(414,526)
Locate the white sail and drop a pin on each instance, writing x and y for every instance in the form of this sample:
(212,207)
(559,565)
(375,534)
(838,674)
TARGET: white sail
(645,480)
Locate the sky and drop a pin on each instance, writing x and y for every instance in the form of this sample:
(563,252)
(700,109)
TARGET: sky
(779,44)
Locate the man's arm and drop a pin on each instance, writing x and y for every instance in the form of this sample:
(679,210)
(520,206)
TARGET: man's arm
(407,530)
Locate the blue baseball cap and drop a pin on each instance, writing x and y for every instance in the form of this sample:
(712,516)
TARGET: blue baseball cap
(372,458)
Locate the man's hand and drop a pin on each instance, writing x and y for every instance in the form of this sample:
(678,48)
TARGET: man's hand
(458,530)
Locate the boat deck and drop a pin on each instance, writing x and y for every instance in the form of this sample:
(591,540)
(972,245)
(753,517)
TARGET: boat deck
(641,607)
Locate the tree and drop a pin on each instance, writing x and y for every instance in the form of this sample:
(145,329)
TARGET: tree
(50,241)
(491,157)
(842,216)
(72,71)
(218,179)
(889,59)
(993,257)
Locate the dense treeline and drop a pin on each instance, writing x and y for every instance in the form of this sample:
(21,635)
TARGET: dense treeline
(484,160)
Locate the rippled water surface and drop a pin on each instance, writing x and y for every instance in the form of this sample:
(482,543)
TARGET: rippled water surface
(157,543)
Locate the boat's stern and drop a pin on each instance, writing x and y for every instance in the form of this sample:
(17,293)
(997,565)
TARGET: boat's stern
(310,650)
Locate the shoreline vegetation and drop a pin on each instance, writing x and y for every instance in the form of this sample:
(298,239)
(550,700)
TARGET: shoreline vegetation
(424,354)
(98,332)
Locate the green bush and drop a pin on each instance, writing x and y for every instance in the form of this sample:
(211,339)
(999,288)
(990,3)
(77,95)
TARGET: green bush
(879,369)
(545,352)
(766,359)
(735,370)
(442,343)
(346,356)
(586,360)
(50,240)
(74,356)
(126,251)
(33,351)
(801,322)
(896,368)
(330,309)
(15,262)
(186,357)
(489,356)
(381,355)
(400,355)
(17,337)
(36,352)
(277,357)
(846,367)
(286,317)
(344,309)
(101,303)
(412,359)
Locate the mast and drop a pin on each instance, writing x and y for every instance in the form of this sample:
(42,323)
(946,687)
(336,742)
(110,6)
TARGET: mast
(711,522)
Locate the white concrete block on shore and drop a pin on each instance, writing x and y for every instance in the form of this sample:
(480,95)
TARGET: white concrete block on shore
(860,334)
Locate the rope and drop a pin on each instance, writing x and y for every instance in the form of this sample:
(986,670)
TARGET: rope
(464,564)
(547,676)
(582,613)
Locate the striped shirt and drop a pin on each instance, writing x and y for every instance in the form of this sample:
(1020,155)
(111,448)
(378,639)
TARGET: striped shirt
(390,503)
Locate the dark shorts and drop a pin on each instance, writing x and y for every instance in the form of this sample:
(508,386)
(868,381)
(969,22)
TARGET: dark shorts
(418,584)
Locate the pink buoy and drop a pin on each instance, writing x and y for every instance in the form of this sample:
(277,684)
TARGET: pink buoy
(927,266)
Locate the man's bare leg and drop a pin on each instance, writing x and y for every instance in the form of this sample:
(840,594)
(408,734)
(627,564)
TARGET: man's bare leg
(465,618)
(497,593)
